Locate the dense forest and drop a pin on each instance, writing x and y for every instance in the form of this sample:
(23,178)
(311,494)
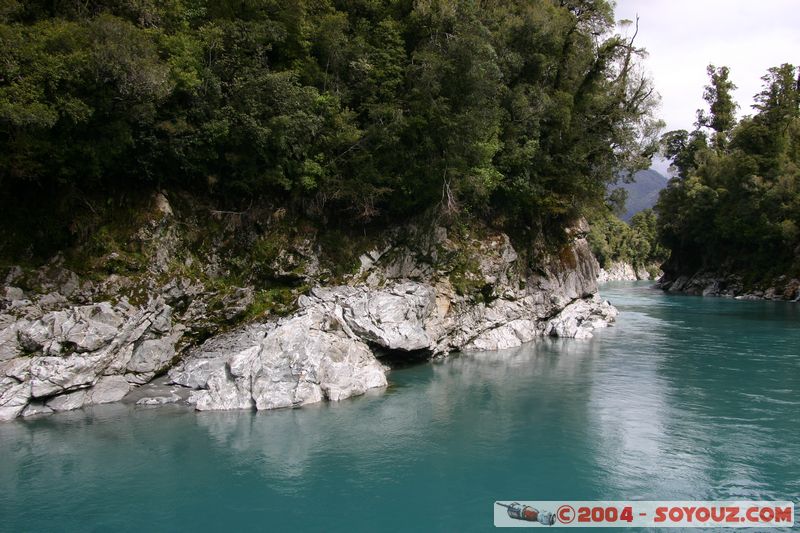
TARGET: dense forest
(635,243)
(518,112)
(735,205)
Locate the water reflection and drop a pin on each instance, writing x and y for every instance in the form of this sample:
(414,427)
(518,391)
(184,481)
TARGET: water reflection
(471,396)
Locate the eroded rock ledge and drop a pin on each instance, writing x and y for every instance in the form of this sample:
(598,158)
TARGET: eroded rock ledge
(56,356)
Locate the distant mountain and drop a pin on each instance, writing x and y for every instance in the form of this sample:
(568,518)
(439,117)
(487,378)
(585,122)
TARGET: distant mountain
(642,192)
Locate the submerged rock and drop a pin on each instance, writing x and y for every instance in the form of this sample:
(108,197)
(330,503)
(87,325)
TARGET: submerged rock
(159,400)
(157,392)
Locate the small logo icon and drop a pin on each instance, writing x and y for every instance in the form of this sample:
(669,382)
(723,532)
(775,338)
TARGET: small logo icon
(565,514)
(527,513)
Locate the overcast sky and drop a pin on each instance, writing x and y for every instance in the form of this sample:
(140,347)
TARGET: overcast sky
(683,36)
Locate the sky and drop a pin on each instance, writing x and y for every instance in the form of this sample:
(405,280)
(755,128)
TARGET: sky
(683,36)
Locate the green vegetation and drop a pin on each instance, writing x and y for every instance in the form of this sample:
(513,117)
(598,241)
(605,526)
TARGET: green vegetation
(279,301)
(465,275)
(735,205)
(612,240)
(362,111)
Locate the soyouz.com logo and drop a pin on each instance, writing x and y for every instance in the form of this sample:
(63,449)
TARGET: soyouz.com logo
(644,514)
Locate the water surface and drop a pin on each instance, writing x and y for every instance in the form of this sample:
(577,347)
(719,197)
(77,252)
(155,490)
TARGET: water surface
(686,398)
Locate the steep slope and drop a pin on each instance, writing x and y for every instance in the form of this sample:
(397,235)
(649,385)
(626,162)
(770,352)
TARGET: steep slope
(642,192)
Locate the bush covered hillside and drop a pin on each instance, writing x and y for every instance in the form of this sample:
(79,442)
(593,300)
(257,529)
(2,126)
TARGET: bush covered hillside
(517,112)
(735,206)
(635,243)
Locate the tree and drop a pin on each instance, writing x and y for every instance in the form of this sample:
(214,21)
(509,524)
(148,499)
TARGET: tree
(735,204)
(681,148)
(722,106)
(520,112)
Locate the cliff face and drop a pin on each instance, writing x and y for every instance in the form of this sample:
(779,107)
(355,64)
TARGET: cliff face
(170,334)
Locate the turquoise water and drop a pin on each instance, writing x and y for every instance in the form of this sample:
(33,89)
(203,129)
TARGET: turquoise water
(686,398)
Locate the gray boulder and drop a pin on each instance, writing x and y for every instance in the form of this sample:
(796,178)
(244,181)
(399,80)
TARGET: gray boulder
(14,396)
(82,355)
(69,401)
(393,318)
(580,318)
(108,389)
(151,355)
(306,358)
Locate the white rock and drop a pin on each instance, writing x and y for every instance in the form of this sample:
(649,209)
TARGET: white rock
(305,359)
(36,408)
(578,319)
(95,353)
(18,368)
(87,349)
(204,361)
(12,294)
(159,400)
(108,389)
(69,401)
(14,396)
(52,375)
(617,271)
(393,318)
(508,335)
(151,355)
(194,372)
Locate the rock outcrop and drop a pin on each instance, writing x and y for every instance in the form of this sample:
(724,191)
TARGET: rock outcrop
(437,296)
(730,286)
(617,271)
(82,355)
(302,359)
(330,349)
(622,271)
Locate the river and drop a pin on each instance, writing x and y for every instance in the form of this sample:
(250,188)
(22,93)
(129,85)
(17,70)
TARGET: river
(685,398)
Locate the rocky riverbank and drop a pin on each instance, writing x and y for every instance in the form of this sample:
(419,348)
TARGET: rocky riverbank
(165,335)
(730,286)
(622,271)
